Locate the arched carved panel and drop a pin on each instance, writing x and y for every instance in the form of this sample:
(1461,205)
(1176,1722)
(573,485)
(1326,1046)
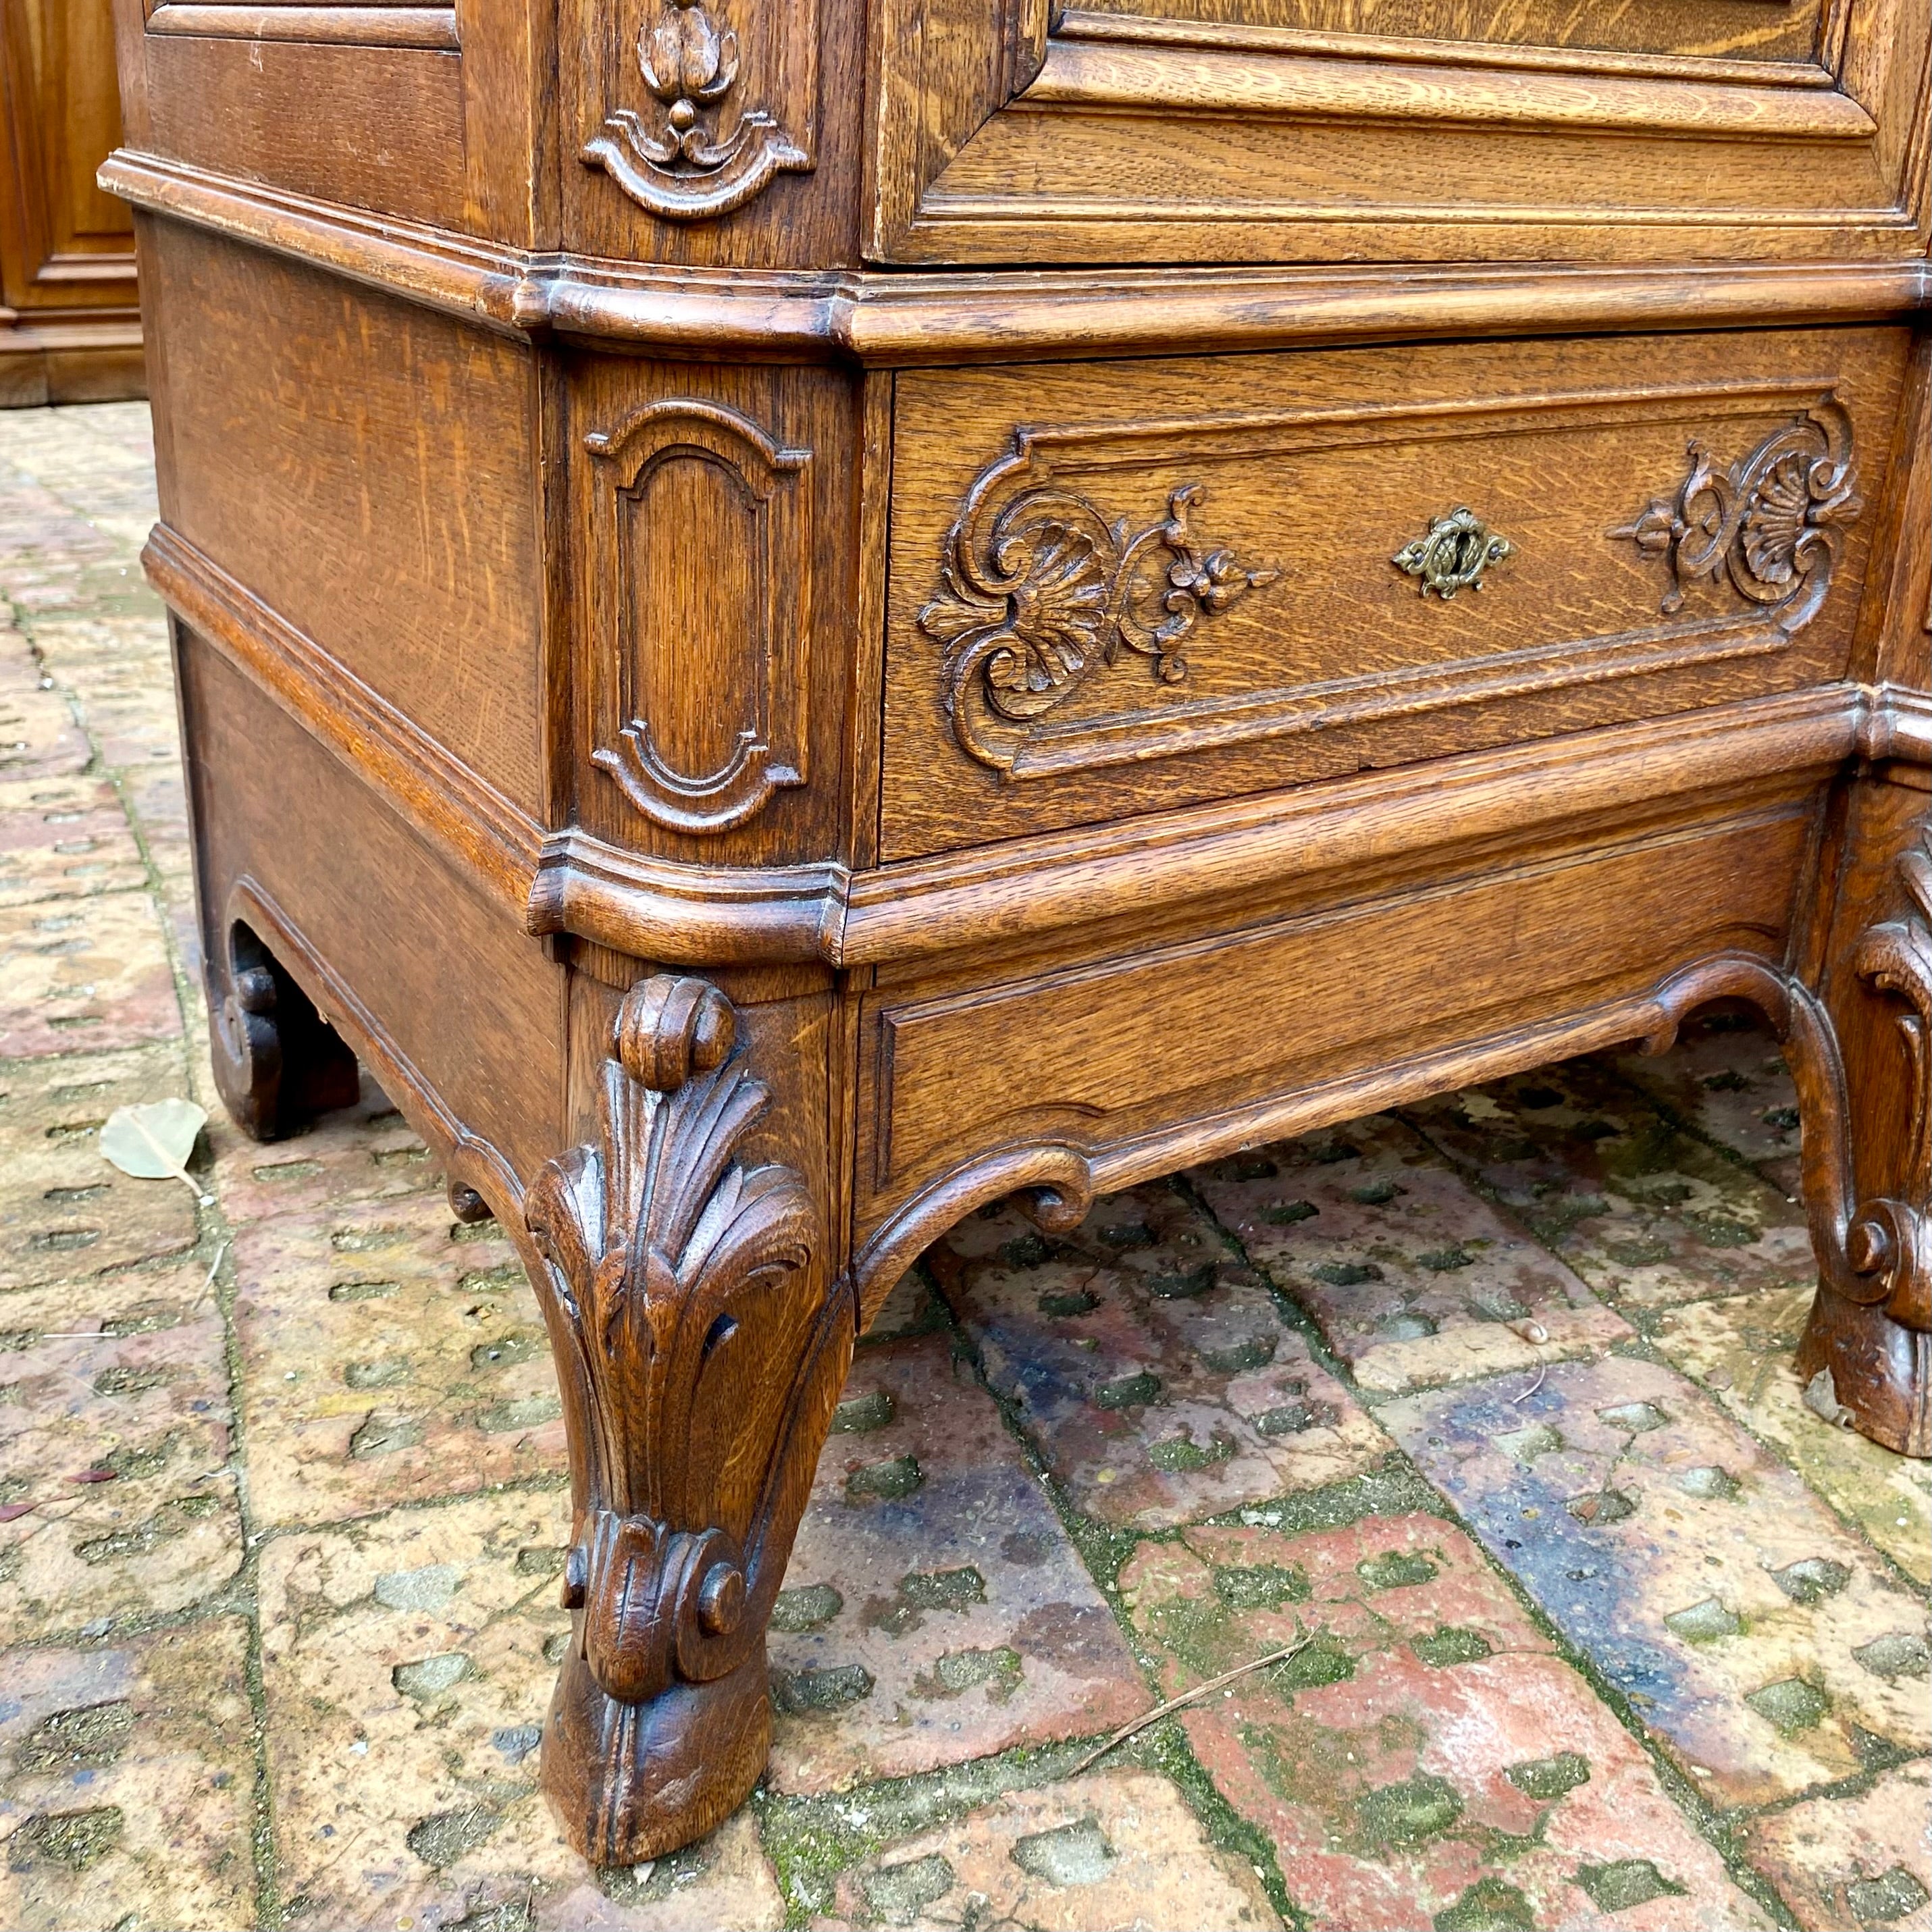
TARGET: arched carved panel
(702,558)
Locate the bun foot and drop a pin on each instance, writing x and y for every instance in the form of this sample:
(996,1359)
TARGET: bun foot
(629,1782)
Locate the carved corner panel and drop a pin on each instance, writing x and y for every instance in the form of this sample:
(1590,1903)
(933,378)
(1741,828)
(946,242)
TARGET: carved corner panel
(1769,523)
(1041,589)
(702,555)
(700,1343)
(707,134)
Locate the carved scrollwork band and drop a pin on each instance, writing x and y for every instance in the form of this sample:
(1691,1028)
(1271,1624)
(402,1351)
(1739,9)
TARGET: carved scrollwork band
(1041,589)
(1770,523)
(679,166)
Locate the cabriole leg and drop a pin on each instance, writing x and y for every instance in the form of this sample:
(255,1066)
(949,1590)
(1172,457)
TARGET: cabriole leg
(1868,1348)
(702,1334)
(278,1062)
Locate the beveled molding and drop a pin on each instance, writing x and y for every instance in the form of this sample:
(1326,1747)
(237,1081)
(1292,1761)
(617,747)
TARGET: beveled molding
(908,317)
(564,880)
(414,24)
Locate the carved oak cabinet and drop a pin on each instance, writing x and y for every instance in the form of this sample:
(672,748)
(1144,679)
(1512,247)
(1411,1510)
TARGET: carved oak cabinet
(794,616)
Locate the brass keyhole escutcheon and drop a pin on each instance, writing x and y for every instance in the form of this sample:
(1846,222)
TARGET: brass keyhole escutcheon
(1457,551)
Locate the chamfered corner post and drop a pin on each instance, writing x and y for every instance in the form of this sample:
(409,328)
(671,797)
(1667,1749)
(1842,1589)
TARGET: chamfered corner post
(702,1327)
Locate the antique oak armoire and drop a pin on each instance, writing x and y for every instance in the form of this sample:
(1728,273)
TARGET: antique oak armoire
(794,616)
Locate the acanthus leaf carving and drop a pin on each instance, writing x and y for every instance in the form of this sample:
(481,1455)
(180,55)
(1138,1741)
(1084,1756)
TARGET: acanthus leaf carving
(687,1308)
(1769,523)
(684,165)
(1040,590)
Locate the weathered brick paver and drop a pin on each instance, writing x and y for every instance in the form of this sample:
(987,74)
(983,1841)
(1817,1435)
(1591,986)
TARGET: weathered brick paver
(1732,1609)
(1860,1858)
(126,1783)
(1412,1276)
(1424,1757)
(1490,1401)
(1111,1848)
(1644,1212)
(934,1610)
(1149,1366)
(1740,1349)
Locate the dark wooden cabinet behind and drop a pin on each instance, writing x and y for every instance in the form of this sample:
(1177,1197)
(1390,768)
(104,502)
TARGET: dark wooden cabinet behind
(70,322)
(795,616)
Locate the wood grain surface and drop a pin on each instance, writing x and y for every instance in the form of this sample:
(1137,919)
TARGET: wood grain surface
(794,620)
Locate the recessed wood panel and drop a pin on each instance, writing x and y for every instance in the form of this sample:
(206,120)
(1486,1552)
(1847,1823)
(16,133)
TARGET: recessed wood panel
(699,688)
(1091,1055)
(713,606)
(290,403)
(1118,588)
(1317,129)
(379,127)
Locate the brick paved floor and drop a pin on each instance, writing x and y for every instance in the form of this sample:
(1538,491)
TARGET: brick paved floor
(1609,1630)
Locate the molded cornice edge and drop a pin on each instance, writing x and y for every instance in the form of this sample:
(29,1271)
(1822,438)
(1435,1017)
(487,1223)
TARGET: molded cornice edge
(905,316)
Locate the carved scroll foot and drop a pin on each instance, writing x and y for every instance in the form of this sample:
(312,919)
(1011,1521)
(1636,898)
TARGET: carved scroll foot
(278,1062)
(1866,1161)
(634,1781)
(1862,1368)
(701,1339)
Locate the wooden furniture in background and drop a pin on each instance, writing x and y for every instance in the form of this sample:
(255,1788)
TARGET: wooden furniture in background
(776,687)
(69,319)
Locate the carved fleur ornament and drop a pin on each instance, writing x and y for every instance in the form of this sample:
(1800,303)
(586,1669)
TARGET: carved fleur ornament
(1038,595)
(1770,523)
(678,163)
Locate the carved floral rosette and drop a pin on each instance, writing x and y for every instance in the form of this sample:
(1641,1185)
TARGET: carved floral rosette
(1041,589)
(1769,523)
(693,159)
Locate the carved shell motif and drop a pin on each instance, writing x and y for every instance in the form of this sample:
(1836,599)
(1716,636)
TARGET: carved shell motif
(1052,591)
(1770,523)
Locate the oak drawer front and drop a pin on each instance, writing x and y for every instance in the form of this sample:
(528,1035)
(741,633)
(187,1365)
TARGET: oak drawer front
(1120,130)
(1120,587)
(1100,1056)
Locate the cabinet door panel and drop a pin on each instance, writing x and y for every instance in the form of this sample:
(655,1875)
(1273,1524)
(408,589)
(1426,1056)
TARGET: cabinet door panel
(1288,130)
(70,244)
